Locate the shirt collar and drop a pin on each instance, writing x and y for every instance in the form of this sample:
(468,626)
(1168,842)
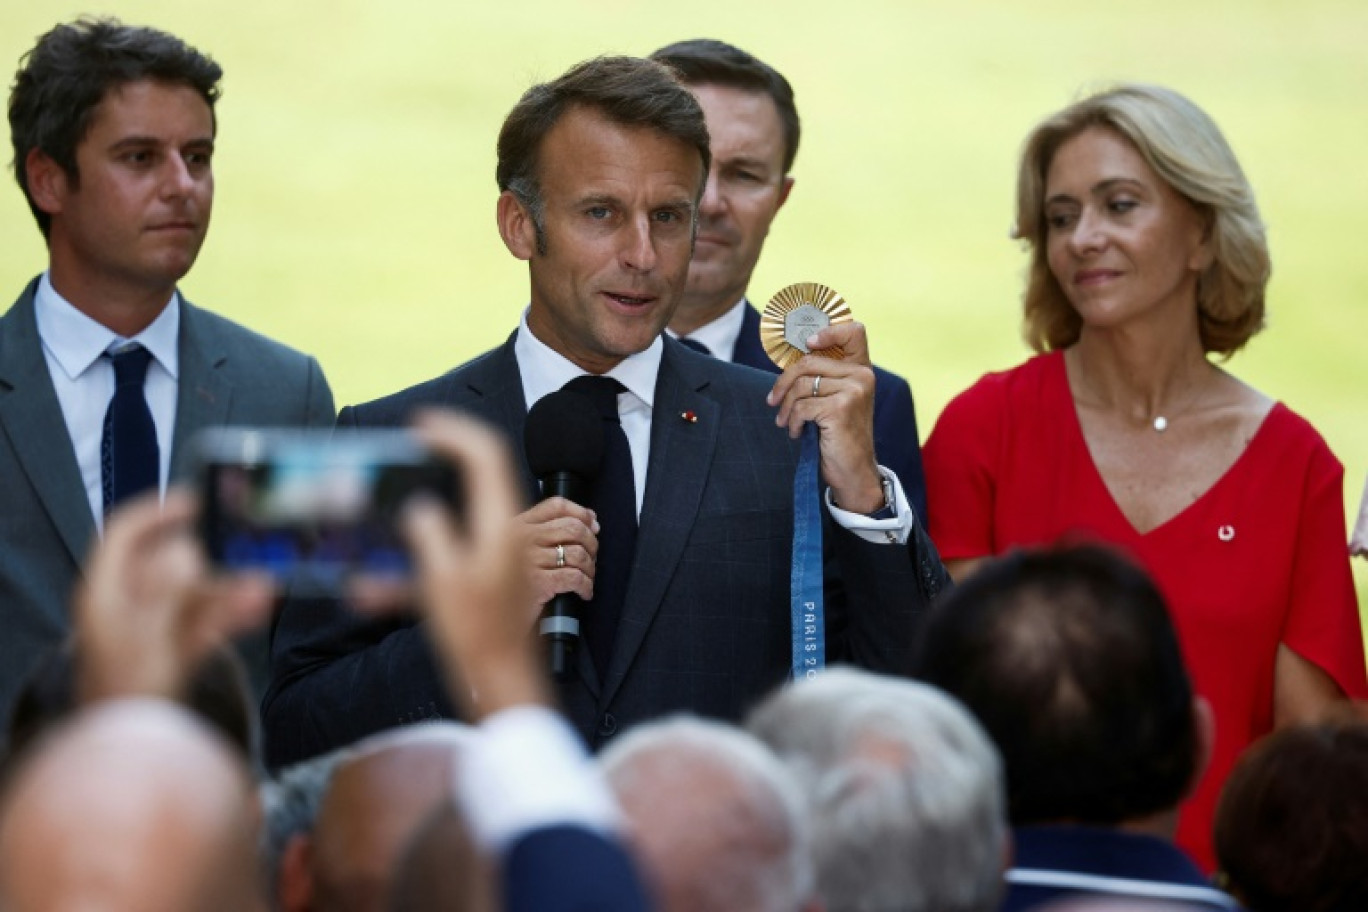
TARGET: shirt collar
(76,341)
(545,370)
(721,334)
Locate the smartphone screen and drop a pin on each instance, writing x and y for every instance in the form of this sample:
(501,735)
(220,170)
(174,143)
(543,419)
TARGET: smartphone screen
(314,509)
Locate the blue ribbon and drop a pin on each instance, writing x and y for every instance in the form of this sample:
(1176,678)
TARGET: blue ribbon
(805,577)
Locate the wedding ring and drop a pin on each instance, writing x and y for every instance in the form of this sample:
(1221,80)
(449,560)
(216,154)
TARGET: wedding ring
(816,386)
(560,556)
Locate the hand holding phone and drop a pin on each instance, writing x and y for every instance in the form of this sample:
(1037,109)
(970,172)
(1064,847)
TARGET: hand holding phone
(317,510)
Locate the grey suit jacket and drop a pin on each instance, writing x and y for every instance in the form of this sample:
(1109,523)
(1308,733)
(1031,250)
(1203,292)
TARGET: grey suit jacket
(228,375)
(705,627)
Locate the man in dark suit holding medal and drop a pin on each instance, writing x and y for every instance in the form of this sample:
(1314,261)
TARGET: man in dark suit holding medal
(754,129)
(600,173)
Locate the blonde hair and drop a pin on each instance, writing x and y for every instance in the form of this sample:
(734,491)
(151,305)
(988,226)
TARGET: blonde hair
(1186,149)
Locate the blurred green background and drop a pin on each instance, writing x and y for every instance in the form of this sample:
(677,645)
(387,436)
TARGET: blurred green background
(355,206)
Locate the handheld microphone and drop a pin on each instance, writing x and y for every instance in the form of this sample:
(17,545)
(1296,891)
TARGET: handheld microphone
(563,441)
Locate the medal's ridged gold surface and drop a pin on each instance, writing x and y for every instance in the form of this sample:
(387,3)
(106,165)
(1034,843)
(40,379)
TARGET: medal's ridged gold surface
(825,299)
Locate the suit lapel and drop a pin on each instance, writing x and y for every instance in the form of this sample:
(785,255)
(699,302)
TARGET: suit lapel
(493,390)
(681,457)
(748,349)
(31,417)
(203,392)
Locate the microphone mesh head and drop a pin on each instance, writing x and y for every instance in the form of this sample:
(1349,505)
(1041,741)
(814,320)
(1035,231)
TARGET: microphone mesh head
(564,433)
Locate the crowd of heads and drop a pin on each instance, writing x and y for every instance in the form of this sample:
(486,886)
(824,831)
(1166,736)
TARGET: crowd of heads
(1053,693)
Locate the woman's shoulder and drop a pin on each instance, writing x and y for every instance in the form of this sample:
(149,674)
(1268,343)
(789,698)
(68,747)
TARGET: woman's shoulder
(1294,432)
(1024,384)
(1284,434)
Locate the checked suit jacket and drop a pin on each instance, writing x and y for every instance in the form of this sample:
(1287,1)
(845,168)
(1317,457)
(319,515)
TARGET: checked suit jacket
(228,375)
(705,626)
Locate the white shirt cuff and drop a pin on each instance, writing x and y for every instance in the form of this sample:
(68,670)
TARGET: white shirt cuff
(893,531)
(527,770)
(1358,543)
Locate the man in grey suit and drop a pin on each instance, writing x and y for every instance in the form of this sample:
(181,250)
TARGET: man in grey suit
(113,130)
(600,173)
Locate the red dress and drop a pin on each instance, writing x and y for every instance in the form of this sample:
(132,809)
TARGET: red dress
(1259,559)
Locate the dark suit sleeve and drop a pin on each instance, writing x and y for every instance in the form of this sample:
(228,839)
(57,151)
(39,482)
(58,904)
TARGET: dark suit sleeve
(321,412)
(876,597)
(568,869)
(337,676)
(896,440)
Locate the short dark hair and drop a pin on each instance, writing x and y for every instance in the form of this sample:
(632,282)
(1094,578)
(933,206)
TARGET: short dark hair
(630,91)
(707,61)
(1070,660)
(1292,826)
(69,71)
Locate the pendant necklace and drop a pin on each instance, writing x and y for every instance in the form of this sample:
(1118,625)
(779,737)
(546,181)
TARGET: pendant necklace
(1161,422)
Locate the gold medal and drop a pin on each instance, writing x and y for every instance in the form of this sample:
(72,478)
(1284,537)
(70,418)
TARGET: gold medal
(794,314)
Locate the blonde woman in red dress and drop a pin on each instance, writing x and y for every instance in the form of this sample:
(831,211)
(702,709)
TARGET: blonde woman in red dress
(1148,258)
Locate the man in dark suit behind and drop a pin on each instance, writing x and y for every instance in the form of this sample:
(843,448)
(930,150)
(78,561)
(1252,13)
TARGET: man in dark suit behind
(113,130)
(753,129)
(600,172)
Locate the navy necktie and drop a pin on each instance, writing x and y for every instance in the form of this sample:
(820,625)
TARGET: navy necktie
(696,345)
(614,501)
(129,458)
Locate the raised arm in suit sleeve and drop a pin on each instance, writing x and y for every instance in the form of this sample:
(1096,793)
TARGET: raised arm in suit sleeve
(535,801)
(896,439)
(876,595)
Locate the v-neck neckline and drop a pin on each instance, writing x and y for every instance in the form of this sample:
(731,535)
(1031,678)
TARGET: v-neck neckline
(1075,426)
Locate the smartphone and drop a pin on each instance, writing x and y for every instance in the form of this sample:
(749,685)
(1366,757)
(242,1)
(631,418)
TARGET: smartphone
(316,509)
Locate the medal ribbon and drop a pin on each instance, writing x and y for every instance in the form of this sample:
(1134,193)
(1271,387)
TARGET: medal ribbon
(805,577)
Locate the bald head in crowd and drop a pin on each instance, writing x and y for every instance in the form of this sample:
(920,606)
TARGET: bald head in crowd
(132,805)
(905,787)
(377,800)
(443,869)
(714,818)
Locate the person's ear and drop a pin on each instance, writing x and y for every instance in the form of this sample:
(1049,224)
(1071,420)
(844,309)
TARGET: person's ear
(48,183)
(1204,254)
(785,188)
(516,226)
(1204,736)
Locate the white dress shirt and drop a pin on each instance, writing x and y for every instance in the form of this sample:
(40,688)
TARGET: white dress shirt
(73,344)
(721,334)
(545,370)
(1358,543)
